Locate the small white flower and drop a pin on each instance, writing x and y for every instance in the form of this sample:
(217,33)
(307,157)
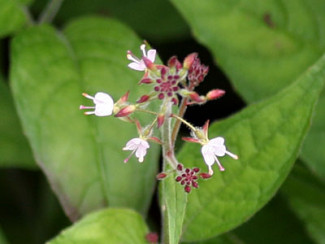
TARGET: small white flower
(103,104)
(212,150)
(138,64)
(137,145)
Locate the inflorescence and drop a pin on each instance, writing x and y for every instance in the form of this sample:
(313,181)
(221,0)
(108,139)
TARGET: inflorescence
(172,84)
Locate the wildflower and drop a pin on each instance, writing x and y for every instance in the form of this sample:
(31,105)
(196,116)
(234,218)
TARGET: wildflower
(213,149)
(138,146)
(104,104)
(138,64)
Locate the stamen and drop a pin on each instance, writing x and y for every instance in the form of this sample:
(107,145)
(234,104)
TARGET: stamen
(88,96)
(132,58)
(127,159)
(221,168)
(86,107)
(234,156)
(89,112)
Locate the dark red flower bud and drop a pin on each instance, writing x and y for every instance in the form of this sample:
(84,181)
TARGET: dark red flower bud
(205,175)
(178,178)
(187,188)
(161,175)
(143,99)
(179,167)
(152,237)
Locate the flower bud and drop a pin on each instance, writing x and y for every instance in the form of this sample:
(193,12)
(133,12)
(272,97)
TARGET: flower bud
(188,61)
(196,97)
(126,111)
(214,94)
(160,120)
(161,176)
(205,175)
(143,99)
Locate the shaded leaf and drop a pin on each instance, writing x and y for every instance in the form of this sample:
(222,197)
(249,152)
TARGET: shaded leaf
(111,226)
(14,148)
(306,197)
(263,46)
(81,156)
(12,16)
(267,137)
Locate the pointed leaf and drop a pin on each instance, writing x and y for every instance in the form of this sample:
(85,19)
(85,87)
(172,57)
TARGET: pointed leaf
(111,226)
(267,137)
(263,46)
(306,196)
(14,148)
(173,204)
(81,156)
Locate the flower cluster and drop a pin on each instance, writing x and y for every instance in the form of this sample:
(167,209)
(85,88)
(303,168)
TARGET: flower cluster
(172,84)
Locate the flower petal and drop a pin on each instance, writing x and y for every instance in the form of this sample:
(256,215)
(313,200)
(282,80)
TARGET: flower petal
(151,55)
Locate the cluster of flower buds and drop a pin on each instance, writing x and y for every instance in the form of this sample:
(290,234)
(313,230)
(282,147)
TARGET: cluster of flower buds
(168,84)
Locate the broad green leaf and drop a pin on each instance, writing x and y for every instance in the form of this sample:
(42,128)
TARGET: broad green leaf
(111,226)
(267,137)
(12,16)
(306,195)
(267,227)
(263,46)
(14,148)
(81,156)
(173,205)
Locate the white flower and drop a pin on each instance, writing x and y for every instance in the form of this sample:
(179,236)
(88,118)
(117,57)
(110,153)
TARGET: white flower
(137,145)
(103,104)
(212,150)
(138,64)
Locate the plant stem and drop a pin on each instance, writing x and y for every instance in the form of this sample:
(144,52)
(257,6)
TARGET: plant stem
(50,11)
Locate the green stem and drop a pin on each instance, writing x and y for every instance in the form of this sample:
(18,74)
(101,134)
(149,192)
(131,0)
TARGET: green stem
(50,11)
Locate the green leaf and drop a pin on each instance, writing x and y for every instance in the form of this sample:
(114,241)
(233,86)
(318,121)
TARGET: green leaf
(14,148)
(266,227)
(263,46)
(306,196)
(313,153)
(81,156)
(111,226)
(3,239)
(12,16)
(267,137)
(173,205)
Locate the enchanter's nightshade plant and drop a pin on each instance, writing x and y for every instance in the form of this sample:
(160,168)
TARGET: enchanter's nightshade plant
(168,83)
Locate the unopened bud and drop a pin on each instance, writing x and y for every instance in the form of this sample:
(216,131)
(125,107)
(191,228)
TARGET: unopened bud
(143,99)
(161,175)
(126,111)
(195,97)
(145,81)
(205,175)
(214,94)
(188,61)
(160,120)
(173,62)
(187,189)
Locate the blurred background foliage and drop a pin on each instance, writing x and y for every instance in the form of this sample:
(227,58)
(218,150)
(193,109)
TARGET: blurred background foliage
(30,213)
